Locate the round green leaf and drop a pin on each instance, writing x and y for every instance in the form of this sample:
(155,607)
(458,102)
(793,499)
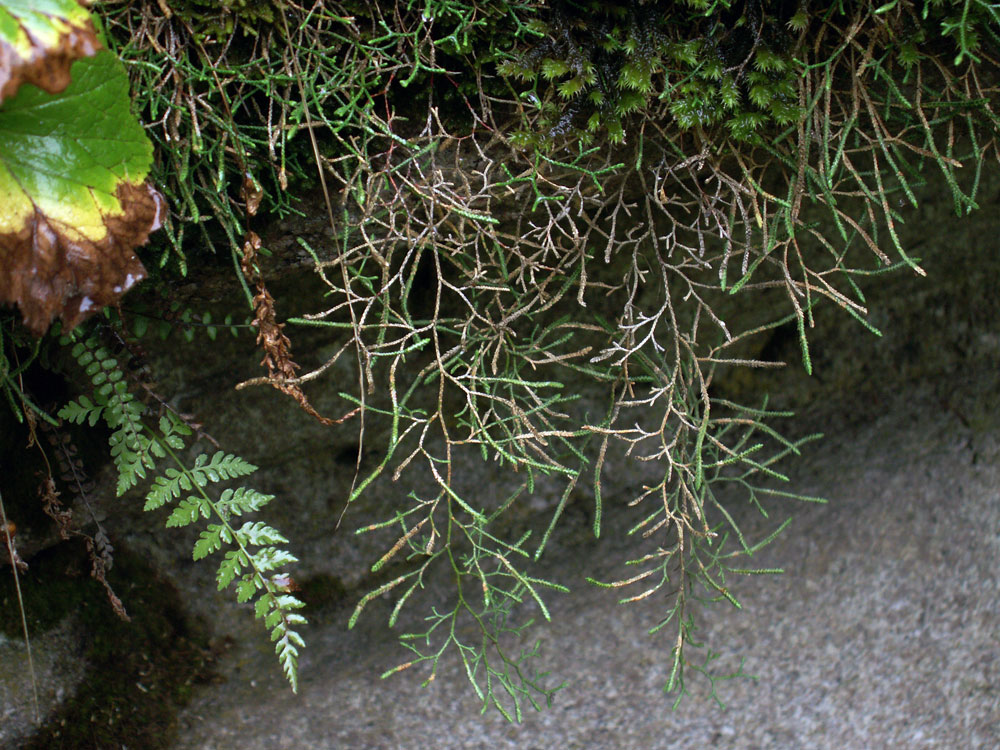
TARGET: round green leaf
(73,204)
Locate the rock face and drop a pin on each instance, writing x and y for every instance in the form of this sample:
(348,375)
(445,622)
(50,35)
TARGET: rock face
(58,671)
(881,634)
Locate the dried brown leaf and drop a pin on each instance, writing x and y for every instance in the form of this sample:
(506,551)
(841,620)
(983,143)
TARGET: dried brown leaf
(39,49)
(270,337)
(50,270)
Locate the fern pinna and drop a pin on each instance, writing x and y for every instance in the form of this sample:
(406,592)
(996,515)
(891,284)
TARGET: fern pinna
(253,561)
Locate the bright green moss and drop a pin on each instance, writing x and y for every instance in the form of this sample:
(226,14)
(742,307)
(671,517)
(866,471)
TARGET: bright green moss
(614,60)
(714,63)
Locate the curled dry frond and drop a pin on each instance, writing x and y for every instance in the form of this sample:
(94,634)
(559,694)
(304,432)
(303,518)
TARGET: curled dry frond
(277,348)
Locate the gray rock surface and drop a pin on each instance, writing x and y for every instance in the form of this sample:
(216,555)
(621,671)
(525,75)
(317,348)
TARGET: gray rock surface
(57,673)
(884,632)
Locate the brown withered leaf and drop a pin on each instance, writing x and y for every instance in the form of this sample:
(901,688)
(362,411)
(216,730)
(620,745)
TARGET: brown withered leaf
(99,549)
(252,193)
(39,40)
(73,204)
(270,337)
(54,508)
(49,273)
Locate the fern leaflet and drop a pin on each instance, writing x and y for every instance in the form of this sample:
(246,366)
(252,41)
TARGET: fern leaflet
(253,563)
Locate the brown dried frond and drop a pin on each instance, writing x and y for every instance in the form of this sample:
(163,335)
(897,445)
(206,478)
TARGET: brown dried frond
(99,548)
(54,508)
(71,471)
(270,337)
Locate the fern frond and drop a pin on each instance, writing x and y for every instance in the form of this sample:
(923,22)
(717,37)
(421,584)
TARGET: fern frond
(287,645)
(272,558)
(166,487)
(211,540)
(231,566)
(242,500)
(172,429)
(135,447)
(246,588)
(188,511)
(221,466)
(257,534)
(82,410)
(131,454)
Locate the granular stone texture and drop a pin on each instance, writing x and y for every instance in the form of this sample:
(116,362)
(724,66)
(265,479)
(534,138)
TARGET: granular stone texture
(883,633)
(57,672)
